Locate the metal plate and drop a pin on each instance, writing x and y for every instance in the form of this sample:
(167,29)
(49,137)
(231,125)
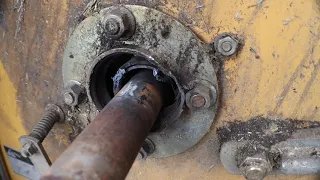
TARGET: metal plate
(173,47)
(20,165)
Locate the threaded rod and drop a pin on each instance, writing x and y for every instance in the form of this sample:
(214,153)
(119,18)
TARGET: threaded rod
(50,117)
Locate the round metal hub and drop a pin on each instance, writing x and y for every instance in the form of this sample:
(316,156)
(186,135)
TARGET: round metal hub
(167,45)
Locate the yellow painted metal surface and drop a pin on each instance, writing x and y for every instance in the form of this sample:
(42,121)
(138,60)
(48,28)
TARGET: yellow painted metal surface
(276,74)
(10,122)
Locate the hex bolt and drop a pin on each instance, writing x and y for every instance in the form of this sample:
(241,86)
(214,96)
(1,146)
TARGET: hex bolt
(53,114)
(200,97)
(112,26)
(116,24)
(255,167)
(227,46)
(72,93)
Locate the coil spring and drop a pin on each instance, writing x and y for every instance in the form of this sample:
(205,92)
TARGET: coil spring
(42,129)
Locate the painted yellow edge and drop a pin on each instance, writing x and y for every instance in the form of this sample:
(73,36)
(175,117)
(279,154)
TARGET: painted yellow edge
(10,122)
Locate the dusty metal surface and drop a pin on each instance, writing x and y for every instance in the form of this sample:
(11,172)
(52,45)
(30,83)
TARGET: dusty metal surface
(275,75)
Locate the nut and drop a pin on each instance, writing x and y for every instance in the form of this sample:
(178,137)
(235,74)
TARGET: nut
(72,93)
(116,23)
(112,26)
(227,46)
(28,150)
(255,167)
(201,97)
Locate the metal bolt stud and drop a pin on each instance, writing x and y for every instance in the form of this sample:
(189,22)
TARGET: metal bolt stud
(52,115)
(68,98)
(227,46)
(118,23)
(201,97)
(115,25)
(256,167)
(198,101)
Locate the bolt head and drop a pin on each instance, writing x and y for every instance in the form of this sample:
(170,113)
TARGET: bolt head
(112,26)
(227,46)
(116,24)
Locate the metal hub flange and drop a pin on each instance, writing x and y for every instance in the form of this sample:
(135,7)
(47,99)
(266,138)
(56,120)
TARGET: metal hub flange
(175,49)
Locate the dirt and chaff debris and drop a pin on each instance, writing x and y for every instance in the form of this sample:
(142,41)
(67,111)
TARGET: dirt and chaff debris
(264,131)
(19,7)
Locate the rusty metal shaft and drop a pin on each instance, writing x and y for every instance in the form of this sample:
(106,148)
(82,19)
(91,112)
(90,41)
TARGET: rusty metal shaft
(108,146)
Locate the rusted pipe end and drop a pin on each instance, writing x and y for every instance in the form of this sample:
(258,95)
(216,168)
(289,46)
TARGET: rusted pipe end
(107,148)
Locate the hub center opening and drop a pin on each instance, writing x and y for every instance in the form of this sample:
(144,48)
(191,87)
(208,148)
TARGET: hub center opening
(113,70)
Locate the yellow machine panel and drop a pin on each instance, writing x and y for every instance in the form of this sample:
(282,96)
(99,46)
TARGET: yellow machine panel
(274,75)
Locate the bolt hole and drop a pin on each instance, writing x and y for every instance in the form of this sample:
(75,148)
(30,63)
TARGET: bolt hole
(165,32)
